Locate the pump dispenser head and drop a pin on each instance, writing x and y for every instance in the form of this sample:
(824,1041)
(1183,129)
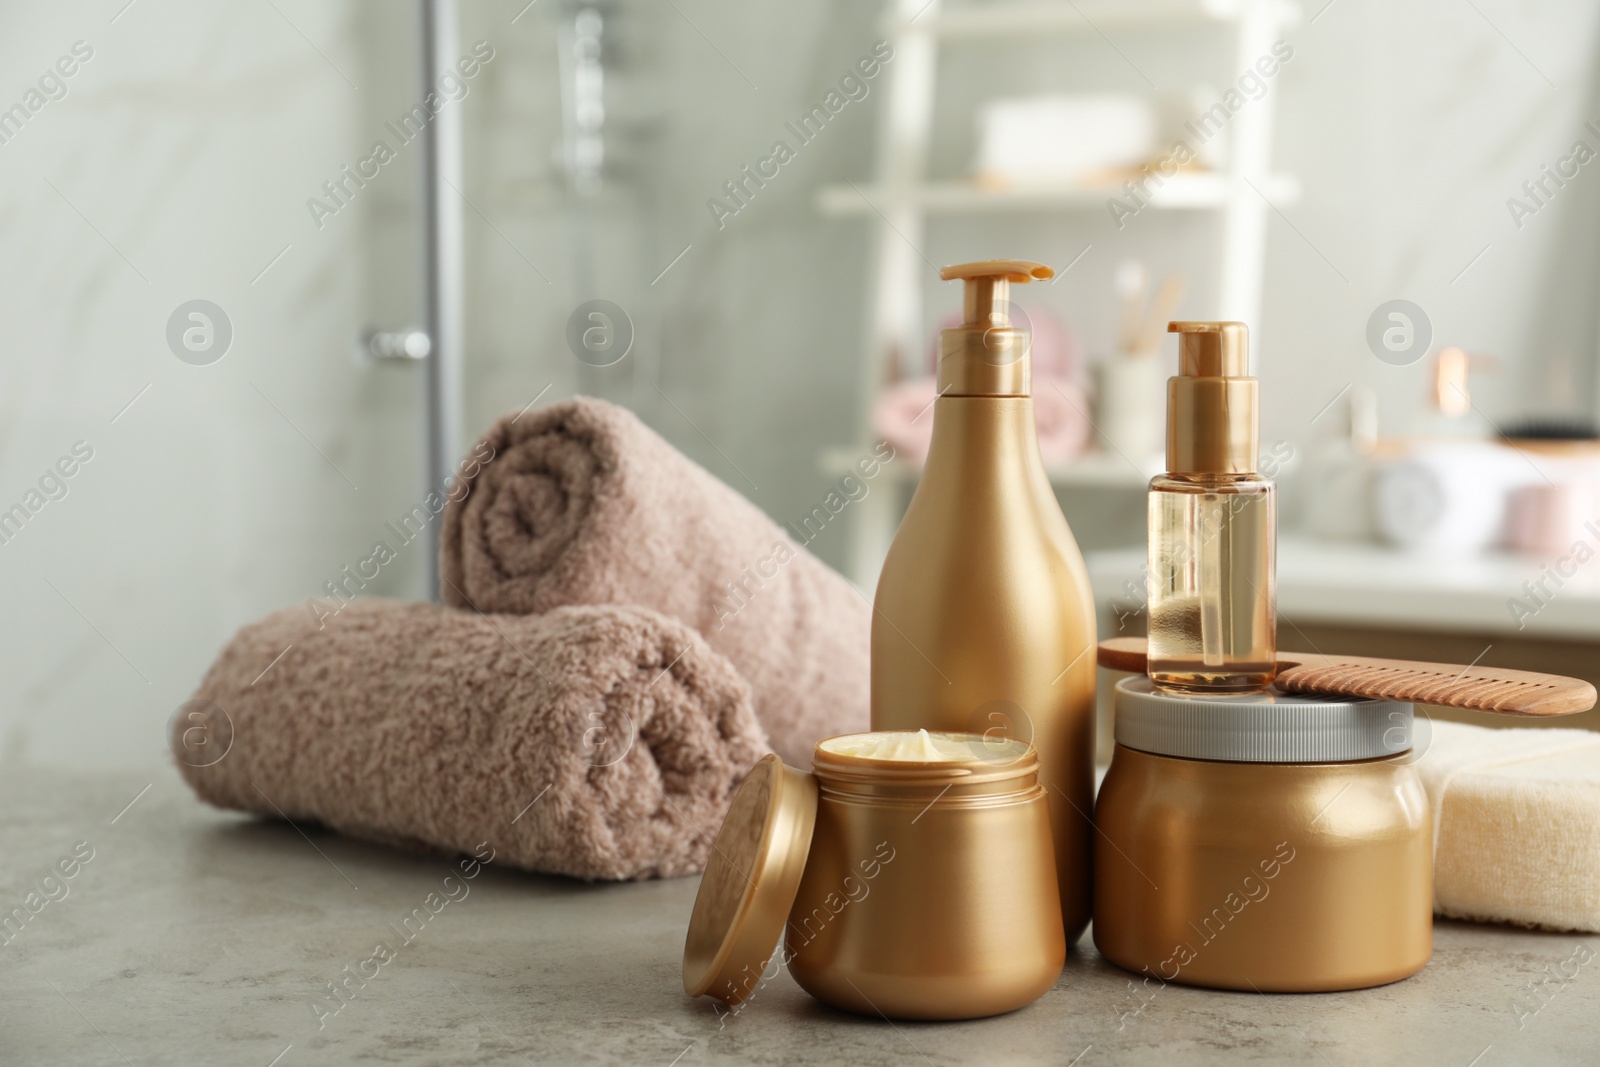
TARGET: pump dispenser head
(1213,404)
(986,355)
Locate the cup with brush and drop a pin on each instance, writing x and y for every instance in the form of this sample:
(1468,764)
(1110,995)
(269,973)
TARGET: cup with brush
(1132,381)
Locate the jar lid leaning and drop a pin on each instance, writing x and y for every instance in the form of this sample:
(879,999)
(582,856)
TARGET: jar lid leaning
(1265,727)
(750,881)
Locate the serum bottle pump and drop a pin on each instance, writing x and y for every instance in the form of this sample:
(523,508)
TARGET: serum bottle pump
(1213,530)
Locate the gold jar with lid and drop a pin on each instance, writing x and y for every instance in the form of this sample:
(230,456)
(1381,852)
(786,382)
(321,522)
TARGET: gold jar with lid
(910,875)
(1263,842)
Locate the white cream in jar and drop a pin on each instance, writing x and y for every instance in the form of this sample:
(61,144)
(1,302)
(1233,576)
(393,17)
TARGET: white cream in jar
(921,746)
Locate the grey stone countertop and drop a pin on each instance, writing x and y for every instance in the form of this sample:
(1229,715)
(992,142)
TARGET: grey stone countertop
(190,935)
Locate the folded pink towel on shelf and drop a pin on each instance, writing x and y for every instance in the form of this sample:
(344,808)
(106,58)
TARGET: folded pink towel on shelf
(597,742)
(583,504)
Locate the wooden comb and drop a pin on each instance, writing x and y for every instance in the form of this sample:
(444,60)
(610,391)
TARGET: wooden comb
(1442,684)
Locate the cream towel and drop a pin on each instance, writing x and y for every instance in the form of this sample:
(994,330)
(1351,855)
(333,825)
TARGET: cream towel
(1516,825)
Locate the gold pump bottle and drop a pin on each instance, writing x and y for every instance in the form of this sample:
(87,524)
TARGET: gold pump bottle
(1213,620)
(984,619)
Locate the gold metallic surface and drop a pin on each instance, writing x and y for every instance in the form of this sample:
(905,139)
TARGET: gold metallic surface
(985,355)
(930,892)
(991,361)
(1263,876)
(984,620)
(1212,403)
(749,882)
(1212,349)
(1011,270)
(1211,425)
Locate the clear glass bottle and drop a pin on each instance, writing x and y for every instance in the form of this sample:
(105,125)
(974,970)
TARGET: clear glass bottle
(1212,623)
(1213,528)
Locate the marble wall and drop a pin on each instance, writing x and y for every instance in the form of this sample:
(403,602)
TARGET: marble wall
(178,164)
(177,167)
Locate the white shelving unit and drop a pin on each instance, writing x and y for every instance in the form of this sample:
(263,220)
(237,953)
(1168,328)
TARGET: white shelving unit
(1097,470)
(901,199)
(1183,192)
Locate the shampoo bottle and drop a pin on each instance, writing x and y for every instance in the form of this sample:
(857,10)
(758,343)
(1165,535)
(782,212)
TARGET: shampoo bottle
(984,621)
(1213,619)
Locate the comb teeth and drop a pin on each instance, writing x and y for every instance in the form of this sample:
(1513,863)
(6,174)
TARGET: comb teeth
(1509,692)
(1445,685)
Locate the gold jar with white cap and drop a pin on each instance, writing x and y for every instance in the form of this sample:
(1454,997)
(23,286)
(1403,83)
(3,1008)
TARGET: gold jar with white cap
(1263,842)
(911,875)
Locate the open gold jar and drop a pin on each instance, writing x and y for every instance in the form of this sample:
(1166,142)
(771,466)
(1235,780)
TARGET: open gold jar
(910,875)
(1264,842)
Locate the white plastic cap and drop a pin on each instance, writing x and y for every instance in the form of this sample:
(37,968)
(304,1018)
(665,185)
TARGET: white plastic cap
(1267,727)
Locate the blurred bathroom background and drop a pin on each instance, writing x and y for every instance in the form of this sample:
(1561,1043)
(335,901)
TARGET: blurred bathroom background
(1398,199)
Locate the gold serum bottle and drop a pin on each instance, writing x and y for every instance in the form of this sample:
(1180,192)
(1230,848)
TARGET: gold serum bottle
(1213,531)
(984,619)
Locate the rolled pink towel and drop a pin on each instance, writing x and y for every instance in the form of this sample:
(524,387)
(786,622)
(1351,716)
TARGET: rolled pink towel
(597,742)
(583,504)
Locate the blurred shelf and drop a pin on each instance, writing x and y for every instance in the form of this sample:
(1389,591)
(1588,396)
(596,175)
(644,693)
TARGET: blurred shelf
(1093,470)
(1356,583)
(1180,192)
(902,198)
(1086,16)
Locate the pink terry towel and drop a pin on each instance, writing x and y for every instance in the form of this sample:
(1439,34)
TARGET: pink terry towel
(597,742)
(581,503)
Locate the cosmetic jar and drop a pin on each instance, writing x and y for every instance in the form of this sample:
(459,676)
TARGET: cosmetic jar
(1263,842)
(902,885)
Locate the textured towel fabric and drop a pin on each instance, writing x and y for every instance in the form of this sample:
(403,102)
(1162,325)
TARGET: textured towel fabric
(583,504)
(598,742)
(1517,824)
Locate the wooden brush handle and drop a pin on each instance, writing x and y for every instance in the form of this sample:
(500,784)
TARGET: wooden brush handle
(1446,685)
(1124,654)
